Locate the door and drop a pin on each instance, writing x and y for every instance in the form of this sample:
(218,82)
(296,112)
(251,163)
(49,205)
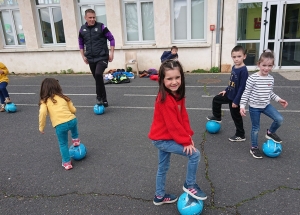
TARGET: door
(280,32)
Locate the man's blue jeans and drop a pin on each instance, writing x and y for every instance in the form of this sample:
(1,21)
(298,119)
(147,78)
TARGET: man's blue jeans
(269,111)
(165,148)
(62,136)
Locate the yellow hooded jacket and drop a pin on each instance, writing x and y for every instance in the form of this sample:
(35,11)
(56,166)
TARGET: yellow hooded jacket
(3,77)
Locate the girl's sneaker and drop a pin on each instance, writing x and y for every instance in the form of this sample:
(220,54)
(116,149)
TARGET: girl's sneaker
(194,191)
(67,165)
(76,142)
(166,199)
(2,108)
(7,100)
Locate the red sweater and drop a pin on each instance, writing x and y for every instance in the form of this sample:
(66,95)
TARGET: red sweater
(171,121)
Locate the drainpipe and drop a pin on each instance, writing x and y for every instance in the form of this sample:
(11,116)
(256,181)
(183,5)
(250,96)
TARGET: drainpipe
(220,29)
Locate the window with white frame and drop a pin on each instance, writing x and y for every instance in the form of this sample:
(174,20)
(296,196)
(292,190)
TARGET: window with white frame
(50,17)
(97,5)
(188,20)
(11,24)
(138,21)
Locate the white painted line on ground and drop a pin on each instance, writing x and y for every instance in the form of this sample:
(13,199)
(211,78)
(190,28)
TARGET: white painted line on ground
(23,93)
(128,107)
(207,96)
(138,95)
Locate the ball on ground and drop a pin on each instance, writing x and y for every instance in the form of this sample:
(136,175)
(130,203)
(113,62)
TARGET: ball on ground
(10,108)
(99,109)
(77,152)
(271,149)
(213,127)
(188,205)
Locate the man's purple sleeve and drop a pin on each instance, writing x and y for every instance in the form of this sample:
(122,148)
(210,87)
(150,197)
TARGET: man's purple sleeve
(109,36)
(80,41)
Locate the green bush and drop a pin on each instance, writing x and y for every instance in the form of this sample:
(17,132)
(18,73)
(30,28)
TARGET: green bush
(199,71)
(214,69)
(128,69)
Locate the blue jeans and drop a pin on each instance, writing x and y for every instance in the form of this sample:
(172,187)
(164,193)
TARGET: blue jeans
(269,111)
(62,136)
(165,148)
(3,92)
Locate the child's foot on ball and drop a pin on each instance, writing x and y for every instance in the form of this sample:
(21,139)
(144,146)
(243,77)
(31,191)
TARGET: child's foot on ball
(67,165)
(7,100)
(76,142)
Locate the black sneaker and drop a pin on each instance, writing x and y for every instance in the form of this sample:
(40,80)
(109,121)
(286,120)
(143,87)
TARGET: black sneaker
(105,104)
(237,139)
(255,152)
(99,101)
(212,118)
(274,137)
(167,199)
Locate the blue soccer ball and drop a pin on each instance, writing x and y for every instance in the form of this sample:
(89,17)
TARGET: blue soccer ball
(77,152)
(99,109)
(10,108)
(213,127)
(187,205)
(272,149)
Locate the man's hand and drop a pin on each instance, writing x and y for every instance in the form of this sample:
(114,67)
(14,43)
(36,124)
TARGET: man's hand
(243,112)
(85,60)
(111,57)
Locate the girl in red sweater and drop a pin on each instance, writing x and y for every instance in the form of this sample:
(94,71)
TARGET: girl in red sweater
(170,132)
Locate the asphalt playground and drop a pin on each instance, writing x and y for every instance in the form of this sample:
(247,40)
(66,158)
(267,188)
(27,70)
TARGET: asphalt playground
(118,174)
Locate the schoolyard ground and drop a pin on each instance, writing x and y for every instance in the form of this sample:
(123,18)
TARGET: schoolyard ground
(118,174)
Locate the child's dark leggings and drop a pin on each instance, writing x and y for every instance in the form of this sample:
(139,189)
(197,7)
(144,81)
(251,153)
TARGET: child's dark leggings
(235,113)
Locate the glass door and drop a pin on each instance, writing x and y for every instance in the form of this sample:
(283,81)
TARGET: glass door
(281,32)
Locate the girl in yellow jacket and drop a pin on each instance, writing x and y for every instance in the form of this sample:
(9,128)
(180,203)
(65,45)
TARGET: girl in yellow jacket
(62,115)
(4,96)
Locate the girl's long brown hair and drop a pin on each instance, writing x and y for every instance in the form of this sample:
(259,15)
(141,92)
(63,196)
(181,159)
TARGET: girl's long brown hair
(49,88)
(165,66)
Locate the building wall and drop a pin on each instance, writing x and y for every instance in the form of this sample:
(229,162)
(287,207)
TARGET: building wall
(35,59)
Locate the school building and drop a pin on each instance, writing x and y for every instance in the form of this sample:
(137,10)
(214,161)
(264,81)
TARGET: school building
(42,35)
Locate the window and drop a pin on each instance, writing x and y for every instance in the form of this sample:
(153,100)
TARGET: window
(188,20)
(138,21)
(11,23)
(51,22)
(97,5)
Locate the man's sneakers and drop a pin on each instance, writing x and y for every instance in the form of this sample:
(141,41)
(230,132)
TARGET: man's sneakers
(255,152)
(166,199)
(273,136)
(105,103)
(213,118)
(67,165)
(237,139)
(194,191)
(99,101)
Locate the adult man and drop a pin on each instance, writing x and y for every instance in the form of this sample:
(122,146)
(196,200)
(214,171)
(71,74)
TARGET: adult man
(92,40)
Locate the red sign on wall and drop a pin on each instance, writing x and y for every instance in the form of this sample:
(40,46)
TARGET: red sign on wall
(257,23)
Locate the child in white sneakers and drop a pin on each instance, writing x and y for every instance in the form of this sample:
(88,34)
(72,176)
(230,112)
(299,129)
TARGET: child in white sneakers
(62,115)
(4,96)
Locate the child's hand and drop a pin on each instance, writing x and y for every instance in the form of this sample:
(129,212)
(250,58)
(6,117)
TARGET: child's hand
(283,103)
(234,105)
(1,71)
(189,149)
(243,112)
(42,132)
(223,93)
